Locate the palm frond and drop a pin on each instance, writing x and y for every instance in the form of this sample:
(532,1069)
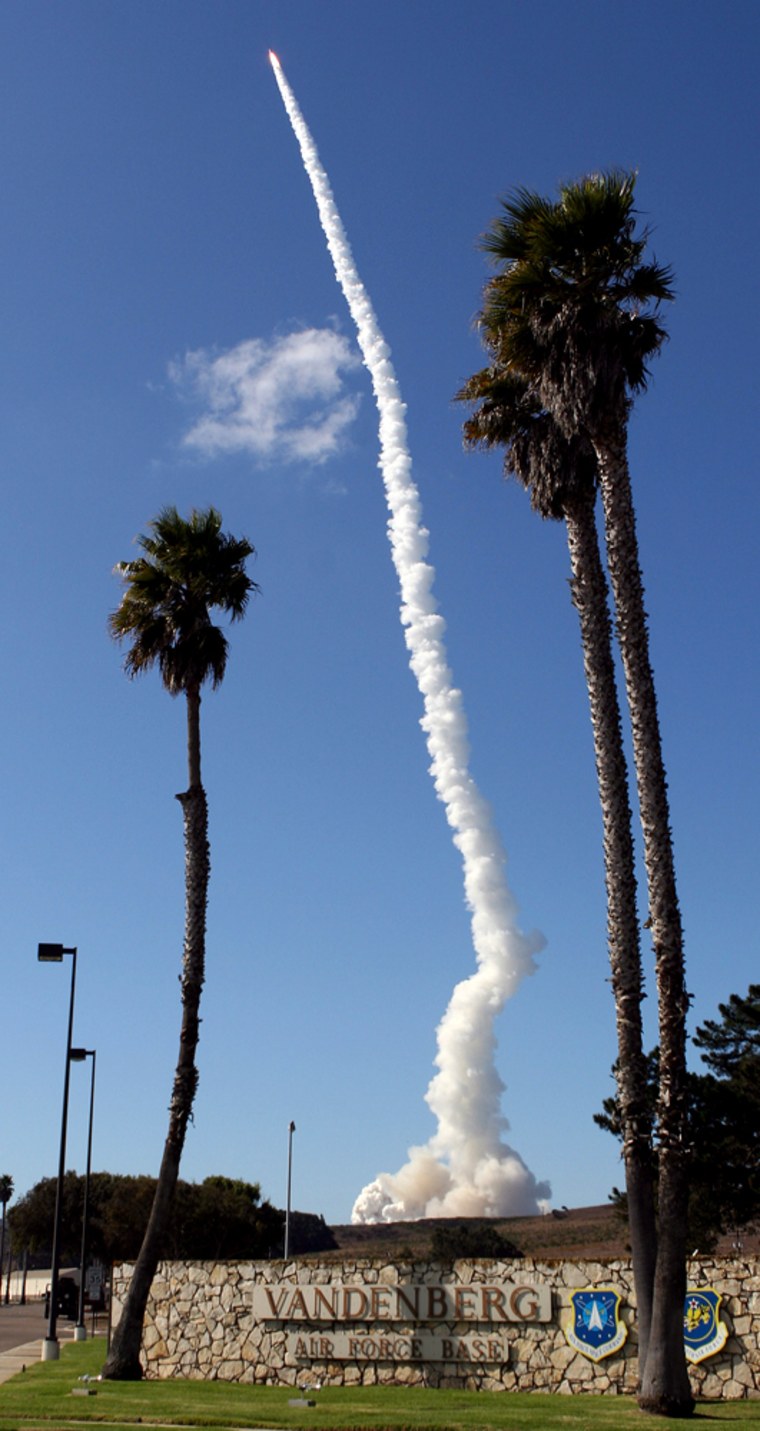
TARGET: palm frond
(574,306)
(188,569)
(552,467)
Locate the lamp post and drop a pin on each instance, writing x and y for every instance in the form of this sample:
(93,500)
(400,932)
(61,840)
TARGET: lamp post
(78,1055)
(6,1193)
(53,954)
(291,1131)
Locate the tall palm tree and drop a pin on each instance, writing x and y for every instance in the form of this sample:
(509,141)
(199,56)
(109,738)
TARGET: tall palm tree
(187,570)
(560,477)
(6,1193)
(575,309)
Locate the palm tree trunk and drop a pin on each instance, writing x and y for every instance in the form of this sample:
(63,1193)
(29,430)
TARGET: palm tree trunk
(665,1387)
(193,737)
(589,595)
(123,1362)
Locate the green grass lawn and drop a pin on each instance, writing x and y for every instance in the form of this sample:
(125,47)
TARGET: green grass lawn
(41,1397)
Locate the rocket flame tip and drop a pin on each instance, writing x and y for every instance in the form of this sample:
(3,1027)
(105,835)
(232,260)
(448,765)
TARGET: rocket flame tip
(273,58)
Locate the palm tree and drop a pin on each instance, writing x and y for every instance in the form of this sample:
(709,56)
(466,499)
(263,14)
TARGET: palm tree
(188,569)
(575,310)
(6,1193)
(560,477)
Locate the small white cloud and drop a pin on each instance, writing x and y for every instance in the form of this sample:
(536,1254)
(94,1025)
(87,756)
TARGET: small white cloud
(282,400)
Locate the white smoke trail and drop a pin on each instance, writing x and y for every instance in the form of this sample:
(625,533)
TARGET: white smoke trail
(465,1169)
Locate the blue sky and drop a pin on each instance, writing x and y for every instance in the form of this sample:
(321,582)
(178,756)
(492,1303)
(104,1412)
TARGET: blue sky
(161,262)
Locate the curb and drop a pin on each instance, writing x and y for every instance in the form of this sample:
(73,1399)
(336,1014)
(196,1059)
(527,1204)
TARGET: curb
(12,1362)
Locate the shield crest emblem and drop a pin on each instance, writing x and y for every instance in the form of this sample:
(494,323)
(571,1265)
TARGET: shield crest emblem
(595,1329)
(704,1333)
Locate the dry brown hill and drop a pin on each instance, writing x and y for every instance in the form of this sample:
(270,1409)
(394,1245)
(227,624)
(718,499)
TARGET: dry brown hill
(585,1232)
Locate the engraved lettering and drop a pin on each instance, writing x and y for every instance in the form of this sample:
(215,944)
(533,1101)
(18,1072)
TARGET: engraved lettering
(524,1303)
(412,1303)
(380,1303)
(436,1303)
(355,1314)
(493,1304)
(274,1305)
(298,1304)
(327,1301)
(465,1299)
(498,1305)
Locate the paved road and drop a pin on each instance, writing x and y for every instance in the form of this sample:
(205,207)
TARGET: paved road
(21,1332)
(19,1325)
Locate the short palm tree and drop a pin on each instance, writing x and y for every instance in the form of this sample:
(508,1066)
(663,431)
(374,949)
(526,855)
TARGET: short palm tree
(187,570)
(574,309)
(560,477)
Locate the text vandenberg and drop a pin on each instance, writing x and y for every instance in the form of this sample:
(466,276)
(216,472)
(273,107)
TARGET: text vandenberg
(337,1302)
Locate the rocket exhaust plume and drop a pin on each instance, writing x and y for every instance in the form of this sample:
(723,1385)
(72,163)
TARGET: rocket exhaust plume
(466,1169)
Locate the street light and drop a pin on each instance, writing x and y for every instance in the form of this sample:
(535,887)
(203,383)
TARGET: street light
(53,954)
(291,1131)
(78,1055)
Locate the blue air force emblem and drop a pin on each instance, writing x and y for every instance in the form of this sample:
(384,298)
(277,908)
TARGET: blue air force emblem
(703,1331)
(595,1329)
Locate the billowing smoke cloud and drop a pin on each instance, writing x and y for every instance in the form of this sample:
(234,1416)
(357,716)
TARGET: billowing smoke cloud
(282,399)
(466,1169)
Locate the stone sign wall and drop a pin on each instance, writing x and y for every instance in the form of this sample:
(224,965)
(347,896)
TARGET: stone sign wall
(481,1324)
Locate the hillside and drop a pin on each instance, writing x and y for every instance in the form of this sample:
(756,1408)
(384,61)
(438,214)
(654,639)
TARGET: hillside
(585,1232)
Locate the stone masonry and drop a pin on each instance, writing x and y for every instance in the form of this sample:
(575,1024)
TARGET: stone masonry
(200,1324)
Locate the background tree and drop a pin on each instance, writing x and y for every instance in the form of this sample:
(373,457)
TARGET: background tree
(220,1217)
(224,1217)
(120,1211)
(6,1193)
(723,1123)
(31,1221)
(727,1135)
(559,474)
(574,311)
(308,1233)
(470,1239)
(188,569)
